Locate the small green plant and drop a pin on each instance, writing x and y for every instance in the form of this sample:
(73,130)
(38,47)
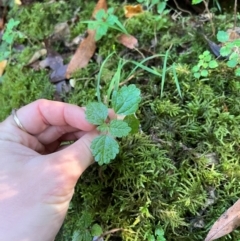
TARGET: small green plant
(230,49)
(158,235)
(86,229)
(103,21)
(125,103)
(159,4)
(8,38)
(205,63)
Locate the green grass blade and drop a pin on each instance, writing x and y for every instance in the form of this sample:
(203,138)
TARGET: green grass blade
(164,71)
(176,79)
(99,76)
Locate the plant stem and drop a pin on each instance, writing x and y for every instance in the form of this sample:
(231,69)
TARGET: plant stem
(209,13)
(235,14)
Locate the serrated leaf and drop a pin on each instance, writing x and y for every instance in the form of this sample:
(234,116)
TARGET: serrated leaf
(119,128)
(126,100)
(103,127)
(104,148)
(213,64)
(96,230)
(96,113)
(133,123)
(222,36)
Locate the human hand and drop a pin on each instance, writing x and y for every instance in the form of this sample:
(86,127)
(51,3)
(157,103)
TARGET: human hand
(37,175)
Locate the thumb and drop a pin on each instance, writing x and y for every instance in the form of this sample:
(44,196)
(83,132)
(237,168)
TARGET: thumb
(75,158)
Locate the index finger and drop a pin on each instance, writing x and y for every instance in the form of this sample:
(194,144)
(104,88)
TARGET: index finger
(41,114)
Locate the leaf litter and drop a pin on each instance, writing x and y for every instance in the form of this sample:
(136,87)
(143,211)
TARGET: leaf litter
(227,222)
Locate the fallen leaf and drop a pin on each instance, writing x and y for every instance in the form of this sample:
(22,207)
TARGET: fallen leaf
(101,4)
(1,24)
(3,65)
(83,54)
(55,62)
(128,40)
(228,222)
(37,55)
(61,31)
(132,10)
(87,47)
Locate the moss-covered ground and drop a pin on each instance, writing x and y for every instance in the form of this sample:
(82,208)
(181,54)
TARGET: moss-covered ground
(181,171)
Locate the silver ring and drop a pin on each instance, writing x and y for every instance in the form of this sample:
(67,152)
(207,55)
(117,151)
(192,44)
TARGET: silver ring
(17,121)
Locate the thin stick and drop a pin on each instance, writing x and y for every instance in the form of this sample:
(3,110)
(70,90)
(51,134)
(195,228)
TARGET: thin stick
(181,9)
(235,14)
(209,13)
(109,232)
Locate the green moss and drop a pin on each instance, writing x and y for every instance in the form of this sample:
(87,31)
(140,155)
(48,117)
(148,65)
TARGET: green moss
(22,86)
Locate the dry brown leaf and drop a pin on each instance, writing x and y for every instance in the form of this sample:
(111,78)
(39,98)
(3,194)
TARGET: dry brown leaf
(101,4)
(1,24)
(87,47)
(132,10)
(128,40)
(3,65)
(229,221)
(37,55)
(83,54)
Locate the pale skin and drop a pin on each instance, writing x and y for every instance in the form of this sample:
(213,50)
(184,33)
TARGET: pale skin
(37,176)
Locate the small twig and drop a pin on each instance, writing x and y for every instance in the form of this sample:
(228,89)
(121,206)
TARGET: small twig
(130,78)
(235,14)
(209,13)
(181,9)
(109,232)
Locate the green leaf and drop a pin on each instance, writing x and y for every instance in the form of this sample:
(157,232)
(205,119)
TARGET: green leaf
(111,19)
(119,128)
(232,63)
(207,58)
(161,7)
(96,230)
(222,36)
(206,53)
(104,148)
(101,31)
(125,101)
(133,123)
(100,14)
(96,113)
(213,64)
(205,65)
(150,237)
(103,128)
(12,23)
(196,1)
(195,68)
(197,75)
(159,231)
(225,50)
(204,73)
(237,72)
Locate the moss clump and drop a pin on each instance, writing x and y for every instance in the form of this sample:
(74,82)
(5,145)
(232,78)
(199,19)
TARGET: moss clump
(22,86)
